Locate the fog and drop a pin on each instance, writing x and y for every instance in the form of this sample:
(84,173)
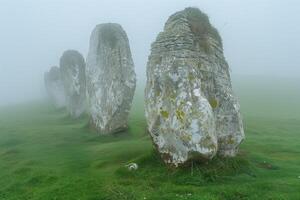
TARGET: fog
(260,37)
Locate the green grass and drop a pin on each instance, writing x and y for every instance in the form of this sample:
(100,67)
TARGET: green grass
(46,155)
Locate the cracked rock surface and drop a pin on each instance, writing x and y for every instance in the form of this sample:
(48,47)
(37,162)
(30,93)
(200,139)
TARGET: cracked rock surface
(190,107)
(111,79)
(72,67)
(54,87)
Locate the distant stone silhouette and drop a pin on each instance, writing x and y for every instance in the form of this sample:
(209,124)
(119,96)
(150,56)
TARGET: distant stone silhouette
(54,87)
(111,79)
(72,67)
(190,107)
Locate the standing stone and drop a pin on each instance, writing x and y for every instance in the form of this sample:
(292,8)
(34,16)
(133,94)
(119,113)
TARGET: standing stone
(72,67)
(54,87)
(190,107)
(111,78)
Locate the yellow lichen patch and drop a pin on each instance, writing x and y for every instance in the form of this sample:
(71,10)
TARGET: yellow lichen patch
(164,113)
(230,140)
(191,76)
(213,103)
(186,137)
(180,115)
(207,142)
(157,93)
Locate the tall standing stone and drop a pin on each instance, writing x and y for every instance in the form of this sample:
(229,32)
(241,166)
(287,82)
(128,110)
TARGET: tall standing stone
(72,67)
(111,78)
(190,107)
(54,87)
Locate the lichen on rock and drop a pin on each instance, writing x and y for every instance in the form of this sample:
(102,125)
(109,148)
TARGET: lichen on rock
(190,107)
(72,68)
(111,79)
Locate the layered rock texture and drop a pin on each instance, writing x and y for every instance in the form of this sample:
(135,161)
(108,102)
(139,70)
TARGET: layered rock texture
(72,67)
(190,107)
(54,87)
(111,79)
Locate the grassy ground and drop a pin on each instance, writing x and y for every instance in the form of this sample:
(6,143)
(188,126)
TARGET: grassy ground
(45,155)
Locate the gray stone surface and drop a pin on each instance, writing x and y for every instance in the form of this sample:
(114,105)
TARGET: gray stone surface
(111,79)
(54,87)
(72,67)
(190,107)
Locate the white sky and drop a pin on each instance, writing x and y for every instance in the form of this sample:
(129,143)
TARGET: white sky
(261,37)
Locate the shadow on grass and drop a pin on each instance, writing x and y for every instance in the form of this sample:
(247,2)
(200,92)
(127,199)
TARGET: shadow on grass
(110,138)
(96,137)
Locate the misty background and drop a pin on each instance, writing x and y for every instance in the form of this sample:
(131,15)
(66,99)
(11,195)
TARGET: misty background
(261,37)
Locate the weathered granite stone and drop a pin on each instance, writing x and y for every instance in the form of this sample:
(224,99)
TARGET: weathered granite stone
(72,67)
(54,87)
(111,78)
(190,107)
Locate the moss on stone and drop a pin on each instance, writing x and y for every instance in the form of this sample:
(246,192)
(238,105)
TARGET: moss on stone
(213,103)
(230,140)
(186,137)
(191,77)
(180,115)
(164,113)
(207,142)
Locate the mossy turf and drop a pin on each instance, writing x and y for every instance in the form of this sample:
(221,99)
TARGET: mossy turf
(46,155)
